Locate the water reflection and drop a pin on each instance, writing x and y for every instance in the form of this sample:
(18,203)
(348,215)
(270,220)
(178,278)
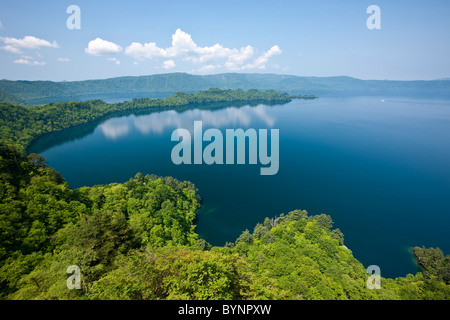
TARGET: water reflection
(129,120)
(115,128)
(158,122)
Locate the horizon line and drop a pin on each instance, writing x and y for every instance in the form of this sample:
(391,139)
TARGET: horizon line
(224,73)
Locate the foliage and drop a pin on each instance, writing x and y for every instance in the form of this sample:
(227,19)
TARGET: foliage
(434,263)
(175,273)
(44,224)
(10,98)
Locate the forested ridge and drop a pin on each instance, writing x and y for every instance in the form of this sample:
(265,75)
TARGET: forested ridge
(137,239)
(36,92)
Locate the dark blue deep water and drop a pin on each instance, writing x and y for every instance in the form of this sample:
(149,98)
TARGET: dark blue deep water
(380,167)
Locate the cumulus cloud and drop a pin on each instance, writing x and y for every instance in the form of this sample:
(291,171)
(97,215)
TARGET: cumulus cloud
(98,47)
(182,46)
(15,45)
(168,64)
(185,48)
(63,59)
(236,60)
(145,51)
(261,61)
(29,62)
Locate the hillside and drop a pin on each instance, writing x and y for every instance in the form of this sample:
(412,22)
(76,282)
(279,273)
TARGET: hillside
(162,85)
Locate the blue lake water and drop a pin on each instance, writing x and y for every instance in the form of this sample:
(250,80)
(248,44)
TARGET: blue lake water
(380,167)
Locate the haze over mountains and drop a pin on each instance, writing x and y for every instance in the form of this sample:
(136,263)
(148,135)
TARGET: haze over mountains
(162,85)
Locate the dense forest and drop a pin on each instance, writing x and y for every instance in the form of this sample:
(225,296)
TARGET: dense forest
(20,125)
(137,239)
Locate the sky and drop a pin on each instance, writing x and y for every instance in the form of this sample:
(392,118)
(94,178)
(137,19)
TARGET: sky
(49,40)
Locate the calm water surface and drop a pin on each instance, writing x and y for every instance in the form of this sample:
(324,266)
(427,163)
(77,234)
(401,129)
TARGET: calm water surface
(380,168)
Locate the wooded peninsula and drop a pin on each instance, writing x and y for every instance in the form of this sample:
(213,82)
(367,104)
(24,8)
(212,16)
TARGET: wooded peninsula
(20,125)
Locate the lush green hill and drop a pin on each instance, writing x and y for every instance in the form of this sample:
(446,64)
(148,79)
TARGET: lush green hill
(10,98)
(38,92)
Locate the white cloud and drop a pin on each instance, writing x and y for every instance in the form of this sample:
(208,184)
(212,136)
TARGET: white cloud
(12,49)
(115,60)
(22,61)
(185,48)
(261,61)
(182,46)
(29,62)
(236,60)
(146,51)
(168,64)
(15,45)
(209,68)
(63,59)
(1,25)
(100,47)
(28,42)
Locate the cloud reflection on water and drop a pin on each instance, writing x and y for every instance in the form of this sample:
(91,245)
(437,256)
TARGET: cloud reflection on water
(158,122)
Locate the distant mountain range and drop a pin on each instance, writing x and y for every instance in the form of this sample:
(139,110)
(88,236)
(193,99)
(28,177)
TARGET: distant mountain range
(162,85)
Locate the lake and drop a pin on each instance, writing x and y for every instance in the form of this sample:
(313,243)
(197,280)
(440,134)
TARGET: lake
(380,167)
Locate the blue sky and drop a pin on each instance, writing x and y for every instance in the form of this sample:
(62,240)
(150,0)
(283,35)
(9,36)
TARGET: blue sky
(306,38)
